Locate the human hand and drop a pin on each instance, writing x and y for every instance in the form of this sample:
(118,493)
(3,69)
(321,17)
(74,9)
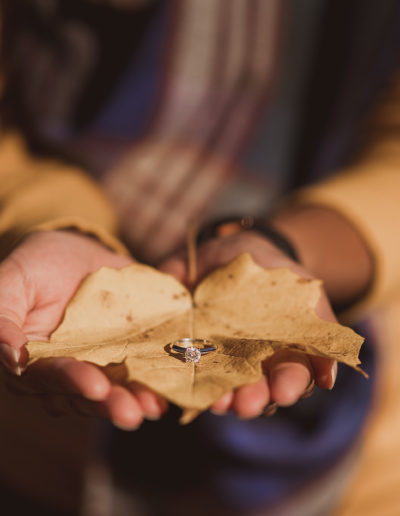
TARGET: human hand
(288,375)
(37,280)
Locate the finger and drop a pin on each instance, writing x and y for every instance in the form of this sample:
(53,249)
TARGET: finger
(222,406)
(12,339)
(67,375)
(324,309)
(176,266)
(123,409)
(249,401)
(212,255)
(325,371)
(15,302)
(289,376)
(152,404)
(219,251)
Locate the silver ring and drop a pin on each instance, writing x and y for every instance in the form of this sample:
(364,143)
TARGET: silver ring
(193,353)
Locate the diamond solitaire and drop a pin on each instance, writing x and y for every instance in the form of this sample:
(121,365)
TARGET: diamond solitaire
(193,353)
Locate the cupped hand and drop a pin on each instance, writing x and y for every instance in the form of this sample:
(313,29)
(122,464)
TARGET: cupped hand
(37,280)
(288,376)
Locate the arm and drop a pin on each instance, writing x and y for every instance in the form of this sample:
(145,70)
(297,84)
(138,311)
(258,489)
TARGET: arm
(42,194)
(362,202)
(55,228)
(330,248)
(345,231)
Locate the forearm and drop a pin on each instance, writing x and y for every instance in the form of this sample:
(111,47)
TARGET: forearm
(331,249)
(358,217)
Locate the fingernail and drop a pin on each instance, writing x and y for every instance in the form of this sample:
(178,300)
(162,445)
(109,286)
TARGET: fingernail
(9,357)
(333,375)
(155,408)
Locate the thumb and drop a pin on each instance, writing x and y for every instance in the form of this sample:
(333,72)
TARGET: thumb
(13,309)
(12,340)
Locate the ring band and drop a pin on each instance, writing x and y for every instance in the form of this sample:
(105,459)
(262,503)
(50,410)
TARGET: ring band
(191,351)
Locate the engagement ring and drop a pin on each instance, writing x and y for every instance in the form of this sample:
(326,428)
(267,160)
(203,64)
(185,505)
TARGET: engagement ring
(189,348)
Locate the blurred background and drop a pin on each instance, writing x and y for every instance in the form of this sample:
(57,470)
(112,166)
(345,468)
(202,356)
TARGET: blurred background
(89,82)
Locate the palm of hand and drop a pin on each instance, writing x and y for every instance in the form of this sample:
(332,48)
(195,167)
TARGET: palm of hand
(287,375)
(37,281)
(43,273)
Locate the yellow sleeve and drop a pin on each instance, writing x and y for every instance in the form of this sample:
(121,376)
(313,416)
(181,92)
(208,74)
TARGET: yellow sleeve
(44,194)
(368,195)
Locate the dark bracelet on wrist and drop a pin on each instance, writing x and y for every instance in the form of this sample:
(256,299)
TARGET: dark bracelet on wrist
(230,225)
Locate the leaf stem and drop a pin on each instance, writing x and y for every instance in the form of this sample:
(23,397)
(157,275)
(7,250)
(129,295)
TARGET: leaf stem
(191,253)
(192,265)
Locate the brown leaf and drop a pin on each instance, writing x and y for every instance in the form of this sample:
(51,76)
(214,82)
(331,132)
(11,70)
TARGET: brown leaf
(135,314)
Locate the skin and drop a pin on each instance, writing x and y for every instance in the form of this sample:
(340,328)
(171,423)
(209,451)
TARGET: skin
(33,298)
(32,301)
(286,378)
(329,248)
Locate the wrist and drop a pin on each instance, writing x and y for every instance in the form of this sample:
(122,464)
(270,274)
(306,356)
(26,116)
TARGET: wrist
(231,225)
(331,249)
(79,250)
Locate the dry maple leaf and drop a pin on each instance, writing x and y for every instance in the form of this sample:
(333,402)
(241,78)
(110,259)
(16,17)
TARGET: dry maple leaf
(134,315)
